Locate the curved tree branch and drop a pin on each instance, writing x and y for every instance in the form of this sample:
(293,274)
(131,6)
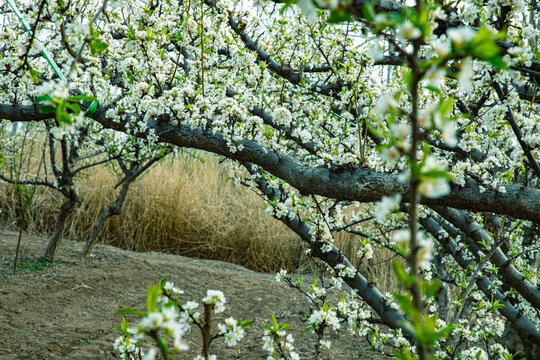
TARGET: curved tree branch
(349,182)
(520,322)
(475,235)
(368,292)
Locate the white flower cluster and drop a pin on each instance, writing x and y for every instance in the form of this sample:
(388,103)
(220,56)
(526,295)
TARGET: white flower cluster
(387,205)
(231,331)
(345,271)
(216,298)
(284,348)
(126,345)
(356,314)
(173,320)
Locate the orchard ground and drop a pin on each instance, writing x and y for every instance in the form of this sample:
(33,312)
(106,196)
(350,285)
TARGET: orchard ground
(67,310)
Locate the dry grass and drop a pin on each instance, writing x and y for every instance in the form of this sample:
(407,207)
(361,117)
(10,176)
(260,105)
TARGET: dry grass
(184,207)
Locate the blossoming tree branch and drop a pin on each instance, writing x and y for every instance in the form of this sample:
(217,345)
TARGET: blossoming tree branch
(414,127)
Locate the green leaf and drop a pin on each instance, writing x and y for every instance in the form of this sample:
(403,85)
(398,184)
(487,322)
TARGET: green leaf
(434,173)
(338,15)
(125,324)
(306,330)
(245,323)
(73,107)
(432,288)
(47,109)
(497,61)
(405,303)
(163,347)
(400,273)
(151,299)
(433,89)
(82,97)
(43,98)
(274,322)
(162,282)
(91,109)
(65,118)
(369,12)
(283,327)
(97,45)
(131,311)
(34,76)
(446,106)
(483,45)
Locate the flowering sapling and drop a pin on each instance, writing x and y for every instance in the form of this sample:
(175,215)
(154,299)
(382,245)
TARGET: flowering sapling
(278,343)
(322,316)
(127,345)
(169,318)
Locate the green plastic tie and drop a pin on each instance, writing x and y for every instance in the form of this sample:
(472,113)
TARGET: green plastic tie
(93,106)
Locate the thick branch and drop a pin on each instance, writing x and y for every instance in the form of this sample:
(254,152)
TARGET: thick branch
(350,182)
(520,322)
(478,235)
(369,293)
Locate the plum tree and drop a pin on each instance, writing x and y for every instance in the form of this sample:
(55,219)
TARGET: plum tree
(414,127)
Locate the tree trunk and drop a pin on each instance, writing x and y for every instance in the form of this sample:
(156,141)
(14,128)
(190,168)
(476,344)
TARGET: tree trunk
(68,205)
(114,208)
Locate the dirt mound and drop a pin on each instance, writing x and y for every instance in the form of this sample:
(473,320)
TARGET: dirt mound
(67,309)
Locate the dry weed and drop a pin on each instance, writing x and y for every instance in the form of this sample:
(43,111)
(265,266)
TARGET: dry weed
(181,206)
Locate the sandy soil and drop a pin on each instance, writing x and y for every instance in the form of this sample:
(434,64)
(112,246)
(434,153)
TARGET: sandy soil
(68,311)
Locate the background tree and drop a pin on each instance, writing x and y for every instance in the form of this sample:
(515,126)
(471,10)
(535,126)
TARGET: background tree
(61,160)
(132,165)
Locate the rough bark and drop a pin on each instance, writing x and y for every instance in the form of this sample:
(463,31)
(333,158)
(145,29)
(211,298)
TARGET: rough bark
(366,290)
(114,208)
(70,202)
(530,334)
(475,235)
(341,183)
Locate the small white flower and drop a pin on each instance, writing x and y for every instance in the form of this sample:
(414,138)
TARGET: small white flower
(401,237)
(408,31)
(465,75)
(435,76)
(327,4)
(390,154)
(400,130)
(425,252)
(386,205)
(325,344)
(449,133)
(435,188)
(170,287)
(461,35)
(309,10)
(385,103)
(282,274)
(153,321)
(441,47)
(150,354)
(282,115)
(215,297)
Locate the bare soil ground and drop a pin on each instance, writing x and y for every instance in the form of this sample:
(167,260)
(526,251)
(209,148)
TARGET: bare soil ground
(68,310)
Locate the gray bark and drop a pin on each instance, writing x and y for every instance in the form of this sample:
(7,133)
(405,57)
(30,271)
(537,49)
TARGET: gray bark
(341,183)
(70,202)
(366,290)
(474,236)
(523,325)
